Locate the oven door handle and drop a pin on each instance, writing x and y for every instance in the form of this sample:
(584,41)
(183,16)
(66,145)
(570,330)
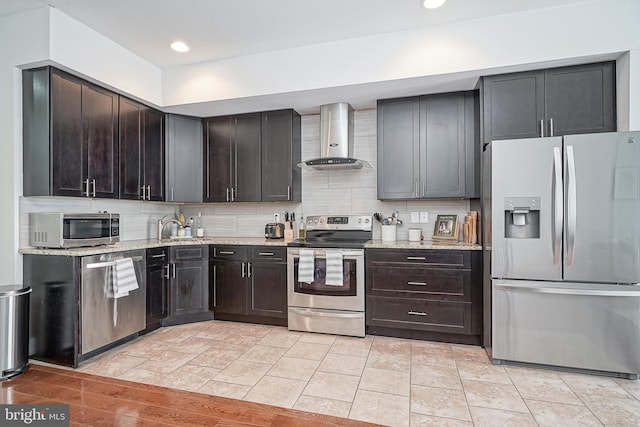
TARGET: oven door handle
(316,313)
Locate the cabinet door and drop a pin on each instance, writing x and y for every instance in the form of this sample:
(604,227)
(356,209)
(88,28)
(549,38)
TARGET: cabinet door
(280,156)
(100,130)
(153,159)
(188,286)
(156,295)
(246,159)
(442,139)
(131,133)
(398,148)
(69,160)
(184,158)
(229,286)
(217,159)
(580,99)
(513,105)
(268,283)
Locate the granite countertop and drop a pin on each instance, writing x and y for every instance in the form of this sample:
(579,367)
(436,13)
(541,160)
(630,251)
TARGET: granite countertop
(248,241)
(424,244)
(129,245)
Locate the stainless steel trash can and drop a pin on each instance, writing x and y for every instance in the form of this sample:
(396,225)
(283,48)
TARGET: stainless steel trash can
(14,330)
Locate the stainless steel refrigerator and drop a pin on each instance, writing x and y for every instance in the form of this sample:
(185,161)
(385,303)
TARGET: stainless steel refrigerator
(565,251)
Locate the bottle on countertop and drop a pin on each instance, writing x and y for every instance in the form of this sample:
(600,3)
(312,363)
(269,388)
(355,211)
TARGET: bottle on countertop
(199,229)
(302,230)
(188,227)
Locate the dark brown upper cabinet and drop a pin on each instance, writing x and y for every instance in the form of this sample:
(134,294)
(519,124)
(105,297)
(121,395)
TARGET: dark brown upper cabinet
(427,147)
(70,136)
(141,151)
(553,102)
(232,158)
(281,153)
(252,157)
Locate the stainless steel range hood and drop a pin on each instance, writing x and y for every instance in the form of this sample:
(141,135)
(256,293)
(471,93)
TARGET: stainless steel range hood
(336,140)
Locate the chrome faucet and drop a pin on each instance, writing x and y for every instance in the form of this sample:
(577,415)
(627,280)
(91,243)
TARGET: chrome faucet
(162,222)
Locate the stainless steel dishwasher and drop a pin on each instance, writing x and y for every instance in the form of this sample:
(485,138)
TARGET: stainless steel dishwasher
(105,318)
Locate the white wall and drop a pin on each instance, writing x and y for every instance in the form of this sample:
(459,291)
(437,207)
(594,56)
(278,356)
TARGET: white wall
(23,38)
(580,29)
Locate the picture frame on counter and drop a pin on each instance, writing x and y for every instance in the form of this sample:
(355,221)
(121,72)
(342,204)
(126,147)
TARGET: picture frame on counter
(446,228)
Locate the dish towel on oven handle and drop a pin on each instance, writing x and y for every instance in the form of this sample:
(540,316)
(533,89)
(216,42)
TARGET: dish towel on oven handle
(334,275)
(306,266)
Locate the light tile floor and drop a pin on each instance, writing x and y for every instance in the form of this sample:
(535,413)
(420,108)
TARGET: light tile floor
(384,380)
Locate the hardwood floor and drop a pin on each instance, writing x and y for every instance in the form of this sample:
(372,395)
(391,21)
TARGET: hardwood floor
(102,401)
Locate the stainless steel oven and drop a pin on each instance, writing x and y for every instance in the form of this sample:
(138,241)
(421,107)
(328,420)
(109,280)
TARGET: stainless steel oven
(315,302)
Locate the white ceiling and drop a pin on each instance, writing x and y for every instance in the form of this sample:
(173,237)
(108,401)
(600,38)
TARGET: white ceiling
(219,29)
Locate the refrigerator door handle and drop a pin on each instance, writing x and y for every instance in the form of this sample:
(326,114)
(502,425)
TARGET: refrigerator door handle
(556,221)
(571,204)
(572,291)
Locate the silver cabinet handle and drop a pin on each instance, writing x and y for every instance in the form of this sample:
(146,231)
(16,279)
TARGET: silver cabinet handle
(416,258)
(172,194)
(148,192)
(158,256)
(86,186)
(288,192)
(571,203)
(228,194)
(249,269)
(93,183)
(417,283)
(243,274)
(265,253)
(557,209)
(215,273)
(142,188)
(542,128)
(234,194)
(551,127)
(174,270)
(415,188)
(226,252)
(166,275)
(416,313)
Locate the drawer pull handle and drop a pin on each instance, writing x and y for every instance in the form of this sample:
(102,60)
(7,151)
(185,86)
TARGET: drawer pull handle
(265,253)
(416,258)
(158,256)
(226,252)
(417,283)
(416,313)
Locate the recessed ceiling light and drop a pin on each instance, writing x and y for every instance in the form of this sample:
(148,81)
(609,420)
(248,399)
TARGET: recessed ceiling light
(433,4)
(179,47)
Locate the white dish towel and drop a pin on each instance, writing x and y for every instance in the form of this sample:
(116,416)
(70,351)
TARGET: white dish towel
(124,277)
(306,266)
(334,268)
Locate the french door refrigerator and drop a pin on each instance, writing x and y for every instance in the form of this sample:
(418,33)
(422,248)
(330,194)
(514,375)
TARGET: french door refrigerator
(565,252)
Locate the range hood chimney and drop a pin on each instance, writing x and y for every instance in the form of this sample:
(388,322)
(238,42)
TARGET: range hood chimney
(336,140)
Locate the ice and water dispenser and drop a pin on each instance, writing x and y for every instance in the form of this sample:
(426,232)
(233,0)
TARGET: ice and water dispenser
(522,217)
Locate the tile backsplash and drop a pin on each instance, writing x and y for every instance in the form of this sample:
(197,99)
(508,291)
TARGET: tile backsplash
(323,192)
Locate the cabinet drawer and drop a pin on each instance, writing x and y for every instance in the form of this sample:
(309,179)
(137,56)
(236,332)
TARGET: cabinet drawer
(189,253)
(265,253)
(157,256)
(419,314)
(431,257)
(432,283)
(229,252)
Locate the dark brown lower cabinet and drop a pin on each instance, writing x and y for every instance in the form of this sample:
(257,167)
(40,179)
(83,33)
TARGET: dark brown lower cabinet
(157,287)
(249,284)
(424,294)
(188,285)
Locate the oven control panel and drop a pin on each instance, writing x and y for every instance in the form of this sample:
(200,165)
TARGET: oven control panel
(339,222)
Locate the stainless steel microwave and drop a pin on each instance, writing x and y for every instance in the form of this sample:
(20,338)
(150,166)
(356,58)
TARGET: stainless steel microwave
(71,230)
